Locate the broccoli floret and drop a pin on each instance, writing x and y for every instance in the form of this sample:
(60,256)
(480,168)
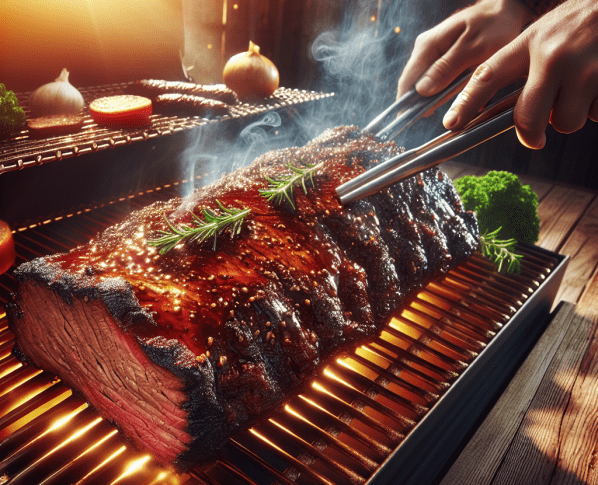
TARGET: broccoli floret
(12,116)
(500,201)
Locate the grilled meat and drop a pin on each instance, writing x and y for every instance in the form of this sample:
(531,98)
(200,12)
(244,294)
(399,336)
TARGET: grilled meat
(152,88)
(186,349)
(189,105)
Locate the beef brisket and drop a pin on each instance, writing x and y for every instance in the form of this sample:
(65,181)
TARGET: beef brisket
(185,349)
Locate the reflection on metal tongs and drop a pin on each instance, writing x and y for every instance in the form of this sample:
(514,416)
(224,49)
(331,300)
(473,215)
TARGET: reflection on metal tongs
(494,120)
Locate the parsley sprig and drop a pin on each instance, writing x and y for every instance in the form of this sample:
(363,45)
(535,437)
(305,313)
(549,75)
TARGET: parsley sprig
(501,251)
(230,218)
(281,188)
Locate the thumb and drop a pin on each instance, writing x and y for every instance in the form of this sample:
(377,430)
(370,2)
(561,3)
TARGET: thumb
(505,67)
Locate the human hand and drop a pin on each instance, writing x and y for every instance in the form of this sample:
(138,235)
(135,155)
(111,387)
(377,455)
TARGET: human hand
(559,55)
(461,42)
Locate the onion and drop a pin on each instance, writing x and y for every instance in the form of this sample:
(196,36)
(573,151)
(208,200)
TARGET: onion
(58,97)
(250,74)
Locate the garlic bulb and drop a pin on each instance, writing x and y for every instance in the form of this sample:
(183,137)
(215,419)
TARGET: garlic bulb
(58,97)
(250,74)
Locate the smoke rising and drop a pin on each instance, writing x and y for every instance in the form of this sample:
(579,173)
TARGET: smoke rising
(206,158)
(360,61)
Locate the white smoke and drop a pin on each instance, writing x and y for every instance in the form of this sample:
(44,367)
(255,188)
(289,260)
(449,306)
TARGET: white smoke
(360,61)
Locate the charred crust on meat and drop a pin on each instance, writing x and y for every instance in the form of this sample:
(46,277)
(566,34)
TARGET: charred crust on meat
(116,293)
(205,411)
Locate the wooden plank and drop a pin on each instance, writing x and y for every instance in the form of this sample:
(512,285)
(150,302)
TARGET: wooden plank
(582,246)
(579,428)
(558,437)
(559,211)
(483,455)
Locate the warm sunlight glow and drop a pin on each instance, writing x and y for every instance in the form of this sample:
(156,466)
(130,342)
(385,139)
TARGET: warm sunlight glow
(97,41)
(397,30)
(544,428)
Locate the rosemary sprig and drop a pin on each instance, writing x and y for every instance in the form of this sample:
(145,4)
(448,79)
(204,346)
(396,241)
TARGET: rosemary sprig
(501,251)
(229,218)
(281,188)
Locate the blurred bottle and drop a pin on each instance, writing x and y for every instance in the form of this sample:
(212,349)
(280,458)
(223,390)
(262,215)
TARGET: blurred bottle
(203,22)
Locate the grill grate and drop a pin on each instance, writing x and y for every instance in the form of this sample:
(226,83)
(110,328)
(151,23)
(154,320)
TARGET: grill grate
(341,430)
(21,151)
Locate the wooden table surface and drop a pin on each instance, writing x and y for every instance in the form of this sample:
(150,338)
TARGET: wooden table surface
(543,428)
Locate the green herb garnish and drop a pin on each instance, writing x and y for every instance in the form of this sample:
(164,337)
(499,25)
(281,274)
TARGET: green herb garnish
(281,188)
(12,116)
(229,219)
(501,251)
(500,200)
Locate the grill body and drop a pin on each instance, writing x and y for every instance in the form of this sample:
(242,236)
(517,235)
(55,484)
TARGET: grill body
(390,412)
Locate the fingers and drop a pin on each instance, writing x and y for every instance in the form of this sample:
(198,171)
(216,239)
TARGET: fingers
(573,105)
(503,68)
(440,74)
(561,89)
(532,112)
(429,47)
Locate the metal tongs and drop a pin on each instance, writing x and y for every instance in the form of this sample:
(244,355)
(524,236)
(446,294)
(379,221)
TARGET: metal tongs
(492,121)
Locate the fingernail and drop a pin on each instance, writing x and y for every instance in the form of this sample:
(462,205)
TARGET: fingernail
(425,86)
(450,118)
(541,142)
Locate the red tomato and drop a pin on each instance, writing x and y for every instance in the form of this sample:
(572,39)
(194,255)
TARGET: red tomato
(7,247)
(123,111)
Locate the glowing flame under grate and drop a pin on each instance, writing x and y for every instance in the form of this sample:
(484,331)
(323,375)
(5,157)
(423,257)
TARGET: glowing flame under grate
(339,431)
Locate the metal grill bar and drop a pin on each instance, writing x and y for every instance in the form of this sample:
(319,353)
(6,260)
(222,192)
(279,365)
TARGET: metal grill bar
(340,430)
(22,152)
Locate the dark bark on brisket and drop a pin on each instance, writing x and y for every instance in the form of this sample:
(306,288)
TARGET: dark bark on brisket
(240,329)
